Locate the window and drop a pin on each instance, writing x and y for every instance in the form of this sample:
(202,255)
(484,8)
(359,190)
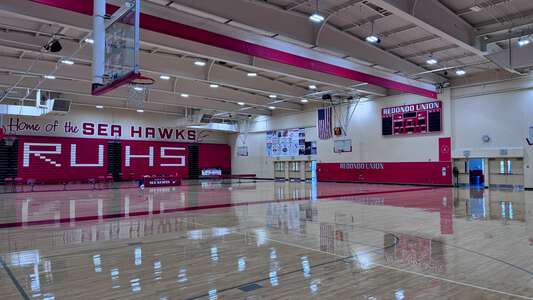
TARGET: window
(279,166)
(295,166)
(506,167)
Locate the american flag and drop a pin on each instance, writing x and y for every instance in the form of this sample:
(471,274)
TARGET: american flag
(324,123)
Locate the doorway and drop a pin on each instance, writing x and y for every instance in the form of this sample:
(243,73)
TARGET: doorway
(476,172)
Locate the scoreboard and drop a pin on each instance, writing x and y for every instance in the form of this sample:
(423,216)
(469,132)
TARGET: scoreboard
(412,119)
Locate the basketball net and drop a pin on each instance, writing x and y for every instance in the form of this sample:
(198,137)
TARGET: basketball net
(137,96)
(244,128)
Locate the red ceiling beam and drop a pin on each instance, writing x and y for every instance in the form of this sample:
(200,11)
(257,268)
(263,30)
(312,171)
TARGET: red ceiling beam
(190,33)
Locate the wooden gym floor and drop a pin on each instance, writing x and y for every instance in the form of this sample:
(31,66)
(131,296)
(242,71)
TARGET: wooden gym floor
(267,240)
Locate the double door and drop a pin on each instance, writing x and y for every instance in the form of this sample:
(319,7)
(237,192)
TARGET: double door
(293,170)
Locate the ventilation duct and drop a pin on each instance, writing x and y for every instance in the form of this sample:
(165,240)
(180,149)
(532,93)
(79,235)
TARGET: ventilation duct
(43,106)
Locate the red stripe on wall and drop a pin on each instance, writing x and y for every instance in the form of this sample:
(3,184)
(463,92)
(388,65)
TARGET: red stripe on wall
(183,31)
(425,173)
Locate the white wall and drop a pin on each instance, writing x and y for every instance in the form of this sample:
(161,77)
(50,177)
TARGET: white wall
(364,130)
(504,112)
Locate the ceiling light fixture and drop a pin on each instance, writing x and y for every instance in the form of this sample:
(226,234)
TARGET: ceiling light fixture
(99,106)
(240,103)
(138,88)
(251,74)
(476,8)
(199,63)
(316,16)
(272,96)
(304,100)
(460,72)
(140,110)
(67,62)
(184,95)
(89,41)
(312,87)
(51,77)
(271,107)
(164,77)
(213,85)
(431,61)
(523,41)
(373,38)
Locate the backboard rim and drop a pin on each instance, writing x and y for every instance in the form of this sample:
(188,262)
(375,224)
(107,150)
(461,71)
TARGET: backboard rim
(98,89)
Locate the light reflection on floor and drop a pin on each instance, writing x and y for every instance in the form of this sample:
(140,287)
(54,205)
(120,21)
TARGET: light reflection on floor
(268,240)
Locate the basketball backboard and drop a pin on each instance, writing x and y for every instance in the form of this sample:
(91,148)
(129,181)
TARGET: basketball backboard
(119,62)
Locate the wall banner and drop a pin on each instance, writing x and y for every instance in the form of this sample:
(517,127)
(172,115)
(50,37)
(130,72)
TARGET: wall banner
(285,142)
(445,149)
(64,127)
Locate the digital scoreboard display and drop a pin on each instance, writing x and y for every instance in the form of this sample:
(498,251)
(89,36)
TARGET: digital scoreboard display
(412,119)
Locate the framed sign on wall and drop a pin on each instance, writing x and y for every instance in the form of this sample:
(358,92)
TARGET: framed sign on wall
(412,119)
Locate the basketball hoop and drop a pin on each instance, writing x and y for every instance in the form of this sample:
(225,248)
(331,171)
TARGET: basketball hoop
(244,128)
(138,91)
(142,81)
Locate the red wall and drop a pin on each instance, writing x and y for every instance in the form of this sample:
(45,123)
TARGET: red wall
(140,166)
(58,165)
(215,156)
(396,172)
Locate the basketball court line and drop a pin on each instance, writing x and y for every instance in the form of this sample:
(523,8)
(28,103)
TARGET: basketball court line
(465,284)
(126,187)
(202,207)
(14,280)
(436,241)
(340,259)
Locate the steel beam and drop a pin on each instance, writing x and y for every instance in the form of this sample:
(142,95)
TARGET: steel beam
(435,18)
(296,26)
(36,12)
(196,89)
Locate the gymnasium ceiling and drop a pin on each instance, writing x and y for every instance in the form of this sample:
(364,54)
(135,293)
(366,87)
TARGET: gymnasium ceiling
(477,36)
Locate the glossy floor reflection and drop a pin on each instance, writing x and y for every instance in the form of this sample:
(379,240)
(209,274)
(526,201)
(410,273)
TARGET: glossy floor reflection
(267,240)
